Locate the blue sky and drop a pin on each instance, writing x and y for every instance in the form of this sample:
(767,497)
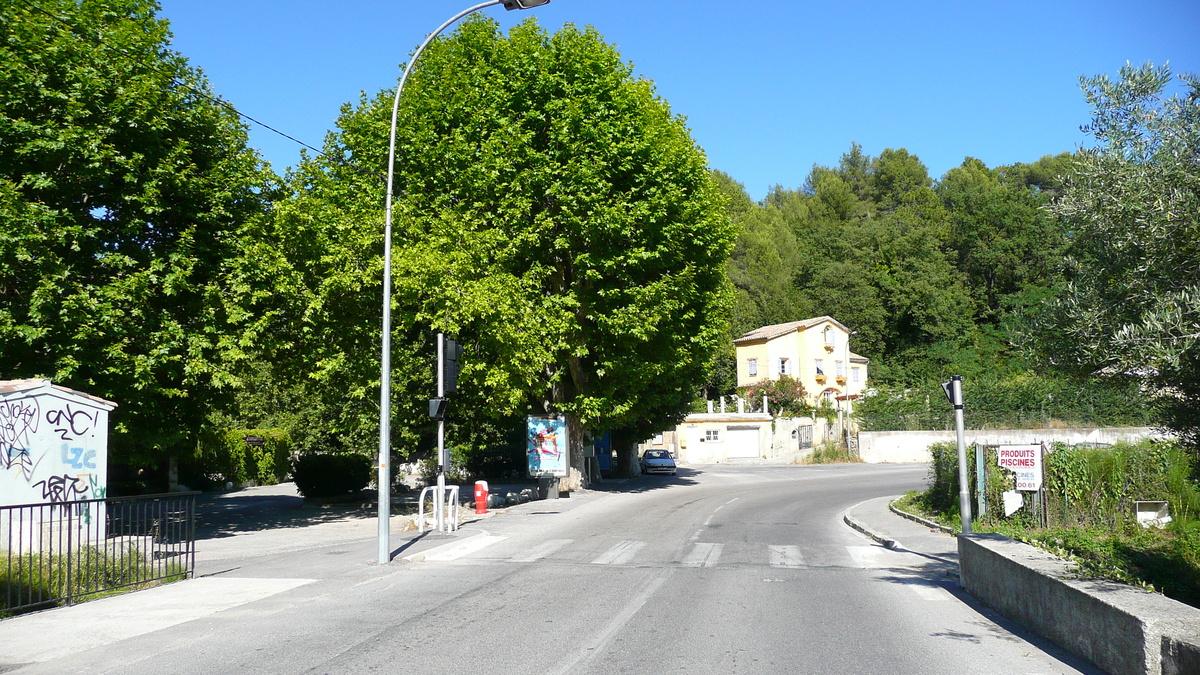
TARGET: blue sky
(769,88)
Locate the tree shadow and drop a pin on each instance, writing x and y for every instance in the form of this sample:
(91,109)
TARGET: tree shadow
(648,483)
(941,572)
(226,515)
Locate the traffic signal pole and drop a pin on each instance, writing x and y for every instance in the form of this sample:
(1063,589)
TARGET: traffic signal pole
(953,390)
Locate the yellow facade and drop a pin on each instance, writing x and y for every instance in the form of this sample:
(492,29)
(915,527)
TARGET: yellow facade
(815,351)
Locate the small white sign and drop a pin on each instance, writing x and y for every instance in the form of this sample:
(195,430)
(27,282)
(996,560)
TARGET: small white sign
(1025,461)
(1013,501)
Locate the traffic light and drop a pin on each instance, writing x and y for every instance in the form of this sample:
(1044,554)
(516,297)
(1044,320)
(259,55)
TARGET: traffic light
(437,408)
(451,353)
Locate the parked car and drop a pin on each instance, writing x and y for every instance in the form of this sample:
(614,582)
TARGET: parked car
(657,461)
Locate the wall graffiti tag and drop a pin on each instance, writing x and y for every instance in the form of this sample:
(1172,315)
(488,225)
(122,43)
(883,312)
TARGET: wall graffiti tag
(18,419)
(53,447)
(70,424)
(64,488)
(78,458)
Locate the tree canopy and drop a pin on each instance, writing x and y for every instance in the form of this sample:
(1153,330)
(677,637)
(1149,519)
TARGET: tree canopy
(124,191)
(1132,210)
(552,214)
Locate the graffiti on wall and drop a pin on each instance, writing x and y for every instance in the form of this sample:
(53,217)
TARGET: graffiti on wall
(52,450)
(18,421)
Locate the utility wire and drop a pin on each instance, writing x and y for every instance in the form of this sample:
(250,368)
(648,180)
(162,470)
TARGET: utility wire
(99,41)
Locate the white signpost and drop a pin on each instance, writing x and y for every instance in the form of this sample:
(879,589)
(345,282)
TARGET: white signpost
(1025,461)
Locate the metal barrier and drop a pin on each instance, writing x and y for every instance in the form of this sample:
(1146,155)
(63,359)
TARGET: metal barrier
(444,521)
(60,552)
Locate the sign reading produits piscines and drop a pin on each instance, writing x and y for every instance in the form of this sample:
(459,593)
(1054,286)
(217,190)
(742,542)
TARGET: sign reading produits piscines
(1025,461)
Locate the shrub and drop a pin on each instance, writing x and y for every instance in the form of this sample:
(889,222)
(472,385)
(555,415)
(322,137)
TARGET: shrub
(225,456)
(331,475)
(1030,400)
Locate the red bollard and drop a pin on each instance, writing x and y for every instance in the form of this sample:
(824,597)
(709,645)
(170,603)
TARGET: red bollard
(481,495)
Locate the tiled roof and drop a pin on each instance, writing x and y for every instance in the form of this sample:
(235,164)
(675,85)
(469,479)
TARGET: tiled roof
(33,384)
(776,330)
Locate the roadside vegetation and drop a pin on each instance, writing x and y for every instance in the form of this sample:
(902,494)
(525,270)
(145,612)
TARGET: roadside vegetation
(1086,511)
(90,573)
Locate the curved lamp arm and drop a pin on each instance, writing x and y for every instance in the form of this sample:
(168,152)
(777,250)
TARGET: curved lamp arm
(385,379)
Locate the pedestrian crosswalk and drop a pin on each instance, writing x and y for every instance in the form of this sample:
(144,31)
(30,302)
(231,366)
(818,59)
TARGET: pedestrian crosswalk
(692,554)
(901,567)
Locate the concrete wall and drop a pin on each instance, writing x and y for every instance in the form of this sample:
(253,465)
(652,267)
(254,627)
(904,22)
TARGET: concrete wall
(877,447)
(1117,627)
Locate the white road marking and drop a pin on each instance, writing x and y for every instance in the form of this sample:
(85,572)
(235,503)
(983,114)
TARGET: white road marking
(930,591)
(620,554)
(785,556)
(465,547)
(703,555)
(596,646)
(877,557)
(548,547)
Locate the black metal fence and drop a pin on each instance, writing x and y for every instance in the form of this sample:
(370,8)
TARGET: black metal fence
(62,552)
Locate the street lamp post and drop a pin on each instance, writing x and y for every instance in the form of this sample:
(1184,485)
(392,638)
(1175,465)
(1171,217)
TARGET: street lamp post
(385,405)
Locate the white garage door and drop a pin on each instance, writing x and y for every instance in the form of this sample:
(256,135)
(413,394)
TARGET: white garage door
(741,442)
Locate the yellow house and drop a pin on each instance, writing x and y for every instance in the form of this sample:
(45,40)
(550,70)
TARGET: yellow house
(814,351)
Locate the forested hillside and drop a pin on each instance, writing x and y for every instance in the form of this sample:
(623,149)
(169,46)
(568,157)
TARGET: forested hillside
(938,277)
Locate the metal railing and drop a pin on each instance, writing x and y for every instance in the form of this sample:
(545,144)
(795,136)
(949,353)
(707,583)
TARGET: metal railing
(445,514)
(62,552)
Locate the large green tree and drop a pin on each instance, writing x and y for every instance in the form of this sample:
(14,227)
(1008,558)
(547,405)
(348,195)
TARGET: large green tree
(551,213)
(125,190)
(1132,206)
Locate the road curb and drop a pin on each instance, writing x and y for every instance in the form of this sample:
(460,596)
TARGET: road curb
(918,519)
(850,520)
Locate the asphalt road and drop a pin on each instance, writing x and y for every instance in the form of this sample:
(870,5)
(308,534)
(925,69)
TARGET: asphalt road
(723,569)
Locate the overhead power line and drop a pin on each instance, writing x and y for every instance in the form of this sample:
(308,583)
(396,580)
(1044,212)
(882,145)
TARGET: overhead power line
(99,41)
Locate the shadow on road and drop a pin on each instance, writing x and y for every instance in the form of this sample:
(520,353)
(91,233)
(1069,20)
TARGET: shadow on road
(224,515)
(648,483)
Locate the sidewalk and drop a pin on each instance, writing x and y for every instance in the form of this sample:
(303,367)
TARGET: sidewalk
(874,519)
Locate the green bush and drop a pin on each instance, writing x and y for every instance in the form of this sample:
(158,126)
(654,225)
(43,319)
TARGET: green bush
(1028,400)
(95,572)
(1082,486)
(225,456)
(331,475)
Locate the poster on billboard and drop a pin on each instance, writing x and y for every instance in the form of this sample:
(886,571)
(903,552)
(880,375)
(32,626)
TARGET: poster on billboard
(547,448)
(1025,461)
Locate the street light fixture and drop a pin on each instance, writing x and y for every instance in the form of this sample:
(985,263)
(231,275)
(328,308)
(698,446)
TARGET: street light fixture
(385,404)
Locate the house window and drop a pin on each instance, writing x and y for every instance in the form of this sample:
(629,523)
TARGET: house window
(854,374)
(784,368)
(841,369)
(712,435)
(820,367)
(752,365)
(828,335)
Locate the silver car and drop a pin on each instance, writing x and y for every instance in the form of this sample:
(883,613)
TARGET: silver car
(657,461)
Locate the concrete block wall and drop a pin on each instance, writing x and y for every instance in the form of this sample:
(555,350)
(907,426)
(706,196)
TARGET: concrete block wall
(1121,629)
(876,447)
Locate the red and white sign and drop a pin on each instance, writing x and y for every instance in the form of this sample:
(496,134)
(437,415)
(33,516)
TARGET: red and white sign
(1025,461)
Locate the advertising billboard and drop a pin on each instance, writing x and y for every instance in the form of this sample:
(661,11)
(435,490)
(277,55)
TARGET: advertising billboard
(547,447)
(1025,461)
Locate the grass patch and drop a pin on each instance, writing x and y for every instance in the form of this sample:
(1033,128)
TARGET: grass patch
(830,453)
(41,580)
